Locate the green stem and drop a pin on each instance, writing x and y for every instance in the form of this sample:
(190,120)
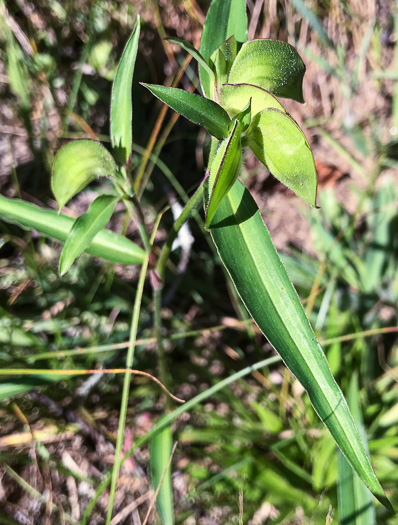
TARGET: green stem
(173,233)
(157,290)
(126,387)
(164,375)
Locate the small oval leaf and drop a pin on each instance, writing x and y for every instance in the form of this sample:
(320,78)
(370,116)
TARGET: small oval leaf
(272,65)
(224,171)
(234,97)
(85,228)
(279,143)
(121,105)
(195,108)
(77,164)
(225,18)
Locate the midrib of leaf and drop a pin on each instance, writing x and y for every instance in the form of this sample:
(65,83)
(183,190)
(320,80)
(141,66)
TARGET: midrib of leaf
(241,226)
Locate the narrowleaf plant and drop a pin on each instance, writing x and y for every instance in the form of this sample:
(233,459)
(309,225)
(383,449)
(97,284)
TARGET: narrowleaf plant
(240,83)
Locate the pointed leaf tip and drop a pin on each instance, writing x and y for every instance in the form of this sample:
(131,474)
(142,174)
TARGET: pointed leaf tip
(195,108)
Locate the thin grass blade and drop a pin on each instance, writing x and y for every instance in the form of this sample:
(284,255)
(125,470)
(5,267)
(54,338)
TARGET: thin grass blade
(354,499)
(161,445)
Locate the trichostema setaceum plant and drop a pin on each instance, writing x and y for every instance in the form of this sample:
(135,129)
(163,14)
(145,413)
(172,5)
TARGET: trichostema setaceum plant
(240,83)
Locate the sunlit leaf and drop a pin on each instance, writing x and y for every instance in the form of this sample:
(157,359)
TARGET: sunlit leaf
(161,445)
(234,97)
(246,250)
(224,170)
(85,228)
(272,65)
(121,105)
(225,18)
(77,164)
(106,244)
(195,108)
(279,143)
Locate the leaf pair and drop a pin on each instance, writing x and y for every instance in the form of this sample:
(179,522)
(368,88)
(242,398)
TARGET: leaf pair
(80,162)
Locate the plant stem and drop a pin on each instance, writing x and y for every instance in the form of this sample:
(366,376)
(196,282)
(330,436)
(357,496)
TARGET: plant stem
(126,386)
(164,375)
(157,290)
(173,233)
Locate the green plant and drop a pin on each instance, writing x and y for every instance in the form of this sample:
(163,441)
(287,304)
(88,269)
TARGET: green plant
(236,114)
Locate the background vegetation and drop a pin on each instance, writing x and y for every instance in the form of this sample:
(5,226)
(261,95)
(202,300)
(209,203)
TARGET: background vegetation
(255,450)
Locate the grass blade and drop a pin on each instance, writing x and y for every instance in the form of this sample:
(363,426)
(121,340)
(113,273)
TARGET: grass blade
(161,445)
(224,19)
(106,244)
(85,228)
(355,500)
(314,22)
(121,105)
(246,249)
(189,48)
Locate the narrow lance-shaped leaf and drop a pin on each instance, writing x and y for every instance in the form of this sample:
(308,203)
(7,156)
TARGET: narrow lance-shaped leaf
(189,48)
(198,109)
(272,65)
(225,18)
(234,98)
(77,164)
(355,500)
(161,445)
(85,228)
(121,105)
(106,244)
(246,249)
(279,143)
(224,170)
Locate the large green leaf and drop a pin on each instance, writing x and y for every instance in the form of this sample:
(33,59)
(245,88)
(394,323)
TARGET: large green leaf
(161,445)
(279,143)
(224,170)
(246,249)
(77,164)
(198,109)
(106,244)
(85,228)
(121,105)
(355,500)
(224,19)
(234,97)
(272,65)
